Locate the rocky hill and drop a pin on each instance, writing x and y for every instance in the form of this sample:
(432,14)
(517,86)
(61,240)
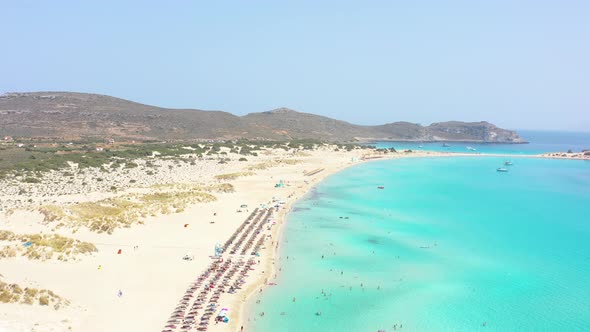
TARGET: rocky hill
(71,116)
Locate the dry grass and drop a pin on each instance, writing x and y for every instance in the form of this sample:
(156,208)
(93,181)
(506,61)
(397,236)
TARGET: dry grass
(223,188)
(220,188)
(106,215)
(261,166)
(289,161)
(43,246)
(273,163)
(233,176)
(52,213)
(13,293)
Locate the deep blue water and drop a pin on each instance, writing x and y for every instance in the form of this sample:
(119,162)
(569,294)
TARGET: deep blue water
(540,142)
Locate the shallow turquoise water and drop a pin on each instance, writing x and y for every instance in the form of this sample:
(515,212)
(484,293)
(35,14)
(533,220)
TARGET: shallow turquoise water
(448,245)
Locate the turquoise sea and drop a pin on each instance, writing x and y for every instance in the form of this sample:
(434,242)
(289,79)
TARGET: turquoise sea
(448,245)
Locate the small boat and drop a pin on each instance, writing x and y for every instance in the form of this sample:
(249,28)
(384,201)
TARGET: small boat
(380,187)
(470,148)
(445,145)
(502,169)
(420,146)
(508,163)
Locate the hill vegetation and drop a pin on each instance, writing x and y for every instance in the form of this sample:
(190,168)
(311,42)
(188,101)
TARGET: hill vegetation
(81,116)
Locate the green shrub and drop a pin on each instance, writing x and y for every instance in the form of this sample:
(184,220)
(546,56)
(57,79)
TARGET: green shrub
(31,180)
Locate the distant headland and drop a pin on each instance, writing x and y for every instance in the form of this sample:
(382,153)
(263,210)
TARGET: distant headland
(75,116)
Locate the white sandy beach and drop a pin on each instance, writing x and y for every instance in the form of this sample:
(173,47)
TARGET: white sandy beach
(151,276)
(150,271)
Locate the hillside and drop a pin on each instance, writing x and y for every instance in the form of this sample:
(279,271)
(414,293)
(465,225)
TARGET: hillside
(71,116)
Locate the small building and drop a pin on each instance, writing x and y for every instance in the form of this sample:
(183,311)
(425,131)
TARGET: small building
(109,140)
(99,149)
(8,139)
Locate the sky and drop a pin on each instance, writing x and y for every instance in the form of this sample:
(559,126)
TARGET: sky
(518,64)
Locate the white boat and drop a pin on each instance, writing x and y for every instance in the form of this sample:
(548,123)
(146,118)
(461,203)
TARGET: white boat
(502,169)
(470,148)
(508,163)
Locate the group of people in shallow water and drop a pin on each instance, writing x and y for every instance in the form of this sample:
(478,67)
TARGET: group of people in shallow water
(395,327)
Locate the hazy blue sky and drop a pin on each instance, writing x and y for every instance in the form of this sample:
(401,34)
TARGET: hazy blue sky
(519,64)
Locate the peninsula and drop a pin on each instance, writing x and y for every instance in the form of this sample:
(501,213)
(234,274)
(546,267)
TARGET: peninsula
(75,116)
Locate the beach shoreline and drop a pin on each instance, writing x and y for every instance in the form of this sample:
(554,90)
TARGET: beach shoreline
(275,248)
(243,317)
(162,239)
(271,260)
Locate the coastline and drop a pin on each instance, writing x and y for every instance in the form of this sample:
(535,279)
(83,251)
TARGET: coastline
(152,247)
(271,255)
(270,258)
(162,240)
(272,252)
